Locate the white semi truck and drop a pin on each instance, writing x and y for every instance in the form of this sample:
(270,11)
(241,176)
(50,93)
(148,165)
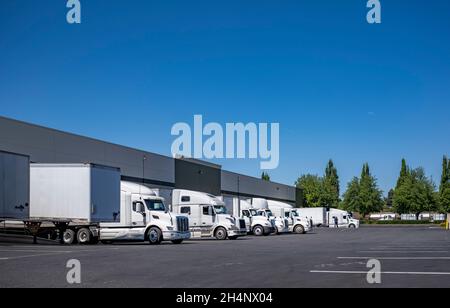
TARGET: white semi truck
(92,204)
(296,223)
(281,225)
(255,223)
(144,217)
(208,215)
(321,217)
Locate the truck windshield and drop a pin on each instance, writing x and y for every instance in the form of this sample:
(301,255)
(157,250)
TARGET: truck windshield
(269,213)
(155,205)
(295,214)
(253,212)
(220,209)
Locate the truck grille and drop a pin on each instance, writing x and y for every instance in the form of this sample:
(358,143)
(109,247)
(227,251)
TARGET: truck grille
(182,224)
(242,223)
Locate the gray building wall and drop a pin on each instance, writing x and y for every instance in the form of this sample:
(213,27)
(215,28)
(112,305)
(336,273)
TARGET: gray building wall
(246,186)
(45,145)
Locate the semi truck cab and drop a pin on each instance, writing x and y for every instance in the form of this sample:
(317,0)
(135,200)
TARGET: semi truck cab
(144,217)
(208,215)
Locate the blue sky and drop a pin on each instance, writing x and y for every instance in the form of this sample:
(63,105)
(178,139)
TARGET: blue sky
(339,87)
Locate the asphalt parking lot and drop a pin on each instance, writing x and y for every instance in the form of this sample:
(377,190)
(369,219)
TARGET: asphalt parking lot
(409,256)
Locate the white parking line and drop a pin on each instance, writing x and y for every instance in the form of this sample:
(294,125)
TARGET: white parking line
(385,273)
(395,258)
(403,251)
(31,256)
(26,250)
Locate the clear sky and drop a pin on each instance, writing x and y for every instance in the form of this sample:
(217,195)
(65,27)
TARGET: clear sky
(339,87)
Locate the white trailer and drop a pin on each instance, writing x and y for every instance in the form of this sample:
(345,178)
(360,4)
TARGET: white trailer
(14,186)
(75,197)
(208,215)
(321,217)
(96,205)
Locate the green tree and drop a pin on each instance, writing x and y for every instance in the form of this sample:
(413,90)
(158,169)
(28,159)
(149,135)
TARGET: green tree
(330,188)
(363,195)
(404,174)
(370,198)
(351,196)
(444,187)
(265,176)
(312,190)
(415,194)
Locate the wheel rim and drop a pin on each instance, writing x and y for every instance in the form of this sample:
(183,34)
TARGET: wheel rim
(153,236)
(299,229)
(83,237)
(258,231)
(220,234)
(67,236)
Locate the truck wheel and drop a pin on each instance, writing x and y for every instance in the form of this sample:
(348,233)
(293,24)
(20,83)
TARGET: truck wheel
(69,237)
(258,230)
(154,236)
(352,226)
(221,234)
(84,236)
(177,242)
(299,229)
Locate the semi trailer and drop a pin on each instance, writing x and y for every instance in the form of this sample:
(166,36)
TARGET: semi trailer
(87,203)
(14,186)
(208,215)
(323,217)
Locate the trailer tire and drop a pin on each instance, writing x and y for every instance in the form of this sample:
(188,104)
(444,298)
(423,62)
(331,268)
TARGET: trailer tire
(69,237)
(177,242)
(299,229)
(221,234)
(83,236)
(154,236)
(258,230)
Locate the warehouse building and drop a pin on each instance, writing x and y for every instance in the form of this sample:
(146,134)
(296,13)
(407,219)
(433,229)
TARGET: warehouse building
(46,145)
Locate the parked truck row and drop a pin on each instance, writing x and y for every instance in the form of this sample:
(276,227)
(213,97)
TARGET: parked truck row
(89,203)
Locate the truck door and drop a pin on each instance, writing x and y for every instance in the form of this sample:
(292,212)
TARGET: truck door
(138,216)
(247,218)
(207,217)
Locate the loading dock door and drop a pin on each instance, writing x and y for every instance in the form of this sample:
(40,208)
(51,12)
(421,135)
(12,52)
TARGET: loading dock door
(198,177)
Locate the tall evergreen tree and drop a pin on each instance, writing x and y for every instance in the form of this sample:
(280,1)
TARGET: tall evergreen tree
(444,188)
(370,197)
(265,176)
(404,173)
(445,177)
(331,185)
